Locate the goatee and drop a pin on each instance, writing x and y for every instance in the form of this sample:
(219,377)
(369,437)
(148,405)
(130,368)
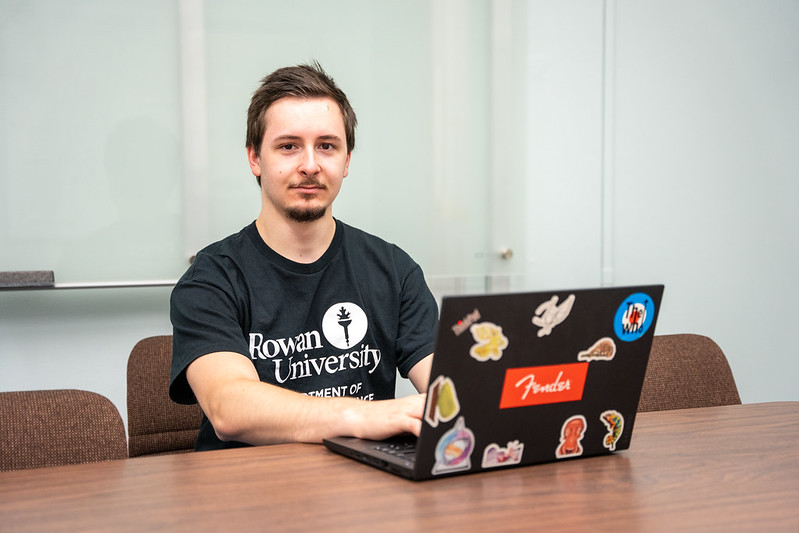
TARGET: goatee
(305,215)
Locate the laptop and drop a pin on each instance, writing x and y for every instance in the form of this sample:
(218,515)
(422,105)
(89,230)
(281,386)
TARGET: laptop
(525,378)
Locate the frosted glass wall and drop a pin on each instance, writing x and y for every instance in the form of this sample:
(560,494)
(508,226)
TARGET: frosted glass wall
(90,139)
(98,180)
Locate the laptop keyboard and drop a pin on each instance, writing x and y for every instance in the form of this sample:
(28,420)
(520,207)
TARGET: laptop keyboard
(403,450)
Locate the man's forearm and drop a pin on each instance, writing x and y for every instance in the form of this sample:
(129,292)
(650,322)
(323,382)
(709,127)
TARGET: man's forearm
(260,413)
(244,409)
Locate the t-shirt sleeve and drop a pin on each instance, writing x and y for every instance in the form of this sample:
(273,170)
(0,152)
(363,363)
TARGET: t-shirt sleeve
(205,319)
(417,321)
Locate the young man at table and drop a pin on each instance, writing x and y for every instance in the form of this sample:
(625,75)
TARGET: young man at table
(282,331)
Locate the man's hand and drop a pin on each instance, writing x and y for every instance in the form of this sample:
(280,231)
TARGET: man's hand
(385,418)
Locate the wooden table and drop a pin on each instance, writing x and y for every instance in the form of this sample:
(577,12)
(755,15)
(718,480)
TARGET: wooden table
(720,468)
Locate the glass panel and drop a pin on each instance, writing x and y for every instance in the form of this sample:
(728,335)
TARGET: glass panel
(401,185)
(102,196)
(90,147)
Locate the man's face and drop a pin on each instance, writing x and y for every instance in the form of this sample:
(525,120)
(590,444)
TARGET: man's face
(303,157)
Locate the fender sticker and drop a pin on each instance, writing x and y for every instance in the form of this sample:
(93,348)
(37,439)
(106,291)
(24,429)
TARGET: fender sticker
(538,385)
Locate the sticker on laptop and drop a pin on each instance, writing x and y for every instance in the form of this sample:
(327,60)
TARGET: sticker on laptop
(454,449)
(571,436)
(614,421)
(443,403)
(495,455)
(539,385)
(549,314)
(602,350)
(490,341)
(634,317)
(466,322)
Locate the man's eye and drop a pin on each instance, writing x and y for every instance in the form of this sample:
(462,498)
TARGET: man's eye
(287,147)
(326,146)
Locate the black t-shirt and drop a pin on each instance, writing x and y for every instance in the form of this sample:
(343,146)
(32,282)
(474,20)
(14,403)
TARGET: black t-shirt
(341,326)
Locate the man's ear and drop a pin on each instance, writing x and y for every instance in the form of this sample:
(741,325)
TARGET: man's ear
(254,159)
(347,165)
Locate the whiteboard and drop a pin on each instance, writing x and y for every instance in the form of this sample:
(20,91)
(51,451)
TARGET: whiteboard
(93,177)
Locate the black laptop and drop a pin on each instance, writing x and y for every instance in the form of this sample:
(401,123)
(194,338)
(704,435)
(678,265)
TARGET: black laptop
(526,378)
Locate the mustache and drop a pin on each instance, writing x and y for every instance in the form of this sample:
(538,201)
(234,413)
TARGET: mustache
(308,183)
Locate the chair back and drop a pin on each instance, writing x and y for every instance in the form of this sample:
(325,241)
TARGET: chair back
(156,424)
(686,371)
(58,427)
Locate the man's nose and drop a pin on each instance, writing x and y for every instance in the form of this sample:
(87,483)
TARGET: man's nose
(308,163)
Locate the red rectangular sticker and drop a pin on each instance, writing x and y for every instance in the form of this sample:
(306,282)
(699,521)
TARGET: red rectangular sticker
(538,385)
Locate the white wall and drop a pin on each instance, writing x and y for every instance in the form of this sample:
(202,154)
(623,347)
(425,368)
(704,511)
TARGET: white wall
(706,169)
(663,148)
(616,143)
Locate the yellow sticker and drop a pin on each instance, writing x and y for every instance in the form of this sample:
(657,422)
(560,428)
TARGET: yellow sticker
(490,341)
(442,401)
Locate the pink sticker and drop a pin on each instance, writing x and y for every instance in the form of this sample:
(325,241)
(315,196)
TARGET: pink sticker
(495,455)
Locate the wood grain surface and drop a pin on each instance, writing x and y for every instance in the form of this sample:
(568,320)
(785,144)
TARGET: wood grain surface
(726,468)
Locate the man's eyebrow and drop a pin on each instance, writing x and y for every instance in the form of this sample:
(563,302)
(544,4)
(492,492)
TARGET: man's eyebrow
(289,137)
(280,138)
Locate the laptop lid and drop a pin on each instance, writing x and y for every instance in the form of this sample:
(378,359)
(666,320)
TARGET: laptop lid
(533,377)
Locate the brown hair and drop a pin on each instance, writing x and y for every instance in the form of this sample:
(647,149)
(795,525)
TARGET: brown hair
(303,81)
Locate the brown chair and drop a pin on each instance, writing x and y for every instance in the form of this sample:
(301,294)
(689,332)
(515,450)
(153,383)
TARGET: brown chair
(687,371)
(156,424)
(58,427)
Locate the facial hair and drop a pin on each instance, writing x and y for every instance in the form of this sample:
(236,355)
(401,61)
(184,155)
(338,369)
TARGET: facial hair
(305,215)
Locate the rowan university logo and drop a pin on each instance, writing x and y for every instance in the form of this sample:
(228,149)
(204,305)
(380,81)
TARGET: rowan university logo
(344,325)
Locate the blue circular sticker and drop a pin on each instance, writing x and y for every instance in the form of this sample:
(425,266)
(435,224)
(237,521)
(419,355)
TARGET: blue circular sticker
(634,317)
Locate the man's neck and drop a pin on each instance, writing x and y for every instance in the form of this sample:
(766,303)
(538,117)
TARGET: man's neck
(301,242)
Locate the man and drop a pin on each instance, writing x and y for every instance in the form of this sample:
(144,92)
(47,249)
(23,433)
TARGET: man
(282,331)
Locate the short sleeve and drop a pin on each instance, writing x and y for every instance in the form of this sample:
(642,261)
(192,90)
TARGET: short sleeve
(205,314)
(417,321)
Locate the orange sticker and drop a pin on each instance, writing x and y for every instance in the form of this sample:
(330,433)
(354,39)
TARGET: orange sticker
(571,436)
(538,385)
